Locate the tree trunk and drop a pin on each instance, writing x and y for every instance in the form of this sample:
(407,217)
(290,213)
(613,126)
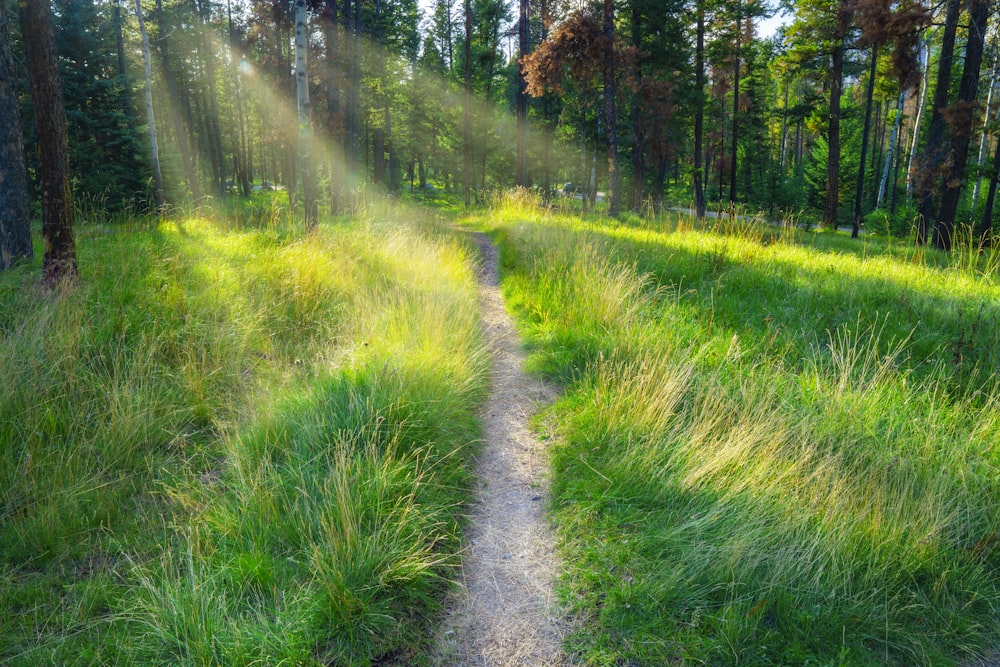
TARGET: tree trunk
(736,106)
(936,152)
(467,110)
(305,122)
(59,262)
(378,156)
(921,102)
(836,84)
(985,133)
(119,40)
(15,225)
(240,154)
(985,228)
(879,130)
(150,118)
(333,130)
(638,135)
(699,112)
(523,46)
(390,179)
(610,119)
(859,190)
(783,150)
(354,98)
(122,72)
(968,90)
(893,150)
(214,134)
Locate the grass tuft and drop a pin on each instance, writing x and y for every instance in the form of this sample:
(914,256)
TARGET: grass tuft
(775,446)
(237,445)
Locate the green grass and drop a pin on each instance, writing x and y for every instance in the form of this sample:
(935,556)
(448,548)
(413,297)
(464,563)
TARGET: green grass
(775,447)
(233,444)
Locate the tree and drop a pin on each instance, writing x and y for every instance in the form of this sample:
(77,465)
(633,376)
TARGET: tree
(866,130)
(467,107)
(961,120)
(523,47)
(610,114)
(569,63)
(842,23)
(151,119)
(15,232)
(699,117)
(735,134)
(820,33)
(173,93)
(304,120)
(932,163)
(107,151)
(59,260)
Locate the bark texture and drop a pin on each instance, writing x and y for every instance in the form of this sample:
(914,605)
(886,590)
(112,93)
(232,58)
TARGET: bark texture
(962,113)
(933,163)
(865,132)
(305,122)
(523,46)
(59,262)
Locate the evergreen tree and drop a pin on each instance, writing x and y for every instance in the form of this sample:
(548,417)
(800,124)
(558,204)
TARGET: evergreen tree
(59,262)
(105,147)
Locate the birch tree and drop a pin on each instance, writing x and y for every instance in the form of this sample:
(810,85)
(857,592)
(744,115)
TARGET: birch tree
(304,121)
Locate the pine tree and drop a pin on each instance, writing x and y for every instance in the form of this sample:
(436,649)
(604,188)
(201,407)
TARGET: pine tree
(960,119)
(106,150)
(59,261)
(932,164)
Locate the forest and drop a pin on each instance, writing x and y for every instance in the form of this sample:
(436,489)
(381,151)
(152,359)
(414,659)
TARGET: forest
(665,103)
(248,375)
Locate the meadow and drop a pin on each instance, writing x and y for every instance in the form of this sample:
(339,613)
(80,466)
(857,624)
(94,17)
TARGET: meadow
(774,447)
(237,444)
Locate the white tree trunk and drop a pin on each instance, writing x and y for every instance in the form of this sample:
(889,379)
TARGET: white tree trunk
(893,140)
(154,148)
(305,125)
(985,133)
(920,112)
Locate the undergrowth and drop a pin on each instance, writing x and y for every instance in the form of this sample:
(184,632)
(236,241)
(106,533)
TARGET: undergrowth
(234,444)
(775,446)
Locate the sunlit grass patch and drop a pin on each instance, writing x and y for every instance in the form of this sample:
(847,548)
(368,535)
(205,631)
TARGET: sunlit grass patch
(775,447)
(236,444)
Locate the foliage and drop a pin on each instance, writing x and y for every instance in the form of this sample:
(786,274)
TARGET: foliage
(107,152)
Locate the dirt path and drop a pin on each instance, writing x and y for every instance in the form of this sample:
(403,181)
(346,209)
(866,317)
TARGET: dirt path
(506,613)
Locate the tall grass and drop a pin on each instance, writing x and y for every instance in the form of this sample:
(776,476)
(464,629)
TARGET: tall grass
(775,447)
(236,445)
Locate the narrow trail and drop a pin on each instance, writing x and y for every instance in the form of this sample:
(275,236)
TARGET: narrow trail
(505,612)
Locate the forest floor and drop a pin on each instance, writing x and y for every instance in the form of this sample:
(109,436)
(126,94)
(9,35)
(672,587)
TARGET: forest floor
(504,611)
